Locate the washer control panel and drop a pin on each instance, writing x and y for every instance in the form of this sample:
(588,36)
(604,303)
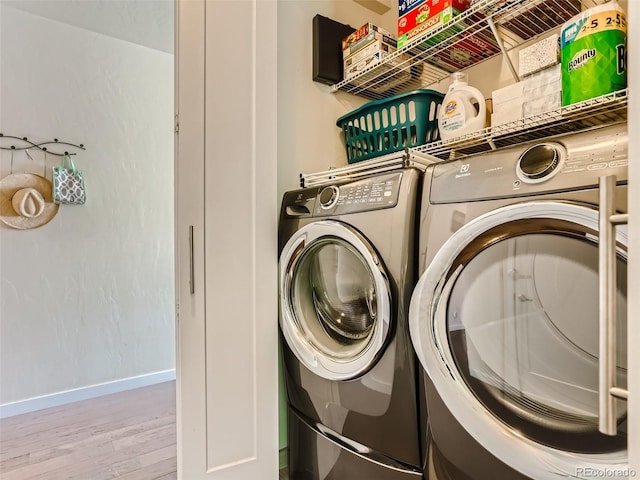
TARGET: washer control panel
(372,193)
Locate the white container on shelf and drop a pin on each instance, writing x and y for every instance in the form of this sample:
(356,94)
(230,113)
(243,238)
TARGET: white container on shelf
(463,109)
(507,104)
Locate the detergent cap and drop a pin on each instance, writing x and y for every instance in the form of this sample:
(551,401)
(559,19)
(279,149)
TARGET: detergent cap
(458,79)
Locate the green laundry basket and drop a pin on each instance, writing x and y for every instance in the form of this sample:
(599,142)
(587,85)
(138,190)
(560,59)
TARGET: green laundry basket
(391,124)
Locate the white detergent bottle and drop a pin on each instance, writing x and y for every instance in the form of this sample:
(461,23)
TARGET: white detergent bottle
(463,109)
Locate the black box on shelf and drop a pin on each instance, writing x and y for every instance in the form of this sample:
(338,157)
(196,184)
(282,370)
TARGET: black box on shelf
(327,49)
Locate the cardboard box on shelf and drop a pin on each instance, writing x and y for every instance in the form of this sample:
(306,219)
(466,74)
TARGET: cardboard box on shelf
(542,91)
(540,55)
(507,104)
(405,5)
(363,36)
(426,16)
(488,102)
(543,82)
(368,52)
(538,93)
(352,69)
(366,41)
(549,103)
(465,52)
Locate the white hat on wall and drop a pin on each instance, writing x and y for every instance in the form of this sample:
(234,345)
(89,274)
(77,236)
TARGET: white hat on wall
(26,201)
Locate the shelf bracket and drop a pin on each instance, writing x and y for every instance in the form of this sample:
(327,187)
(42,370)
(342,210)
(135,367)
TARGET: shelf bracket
(500,43)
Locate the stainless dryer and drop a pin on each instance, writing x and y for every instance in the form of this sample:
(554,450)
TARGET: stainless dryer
(348,265)
(504,318)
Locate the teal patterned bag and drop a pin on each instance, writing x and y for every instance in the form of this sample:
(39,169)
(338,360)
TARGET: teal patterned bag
(68,183)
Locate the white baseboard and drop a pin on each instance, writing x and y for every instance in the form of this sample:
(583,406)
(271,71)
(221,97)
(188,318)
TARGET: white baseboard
(84,393)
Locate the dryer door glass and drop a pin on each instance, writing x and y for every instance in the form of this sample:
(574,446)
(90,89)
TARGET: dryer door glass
(334,297)
(522,322)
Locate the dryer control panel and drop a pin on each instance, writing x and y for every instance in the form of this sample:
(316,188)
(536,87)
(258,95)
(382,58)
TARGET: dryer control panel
(371,193)
(567,162)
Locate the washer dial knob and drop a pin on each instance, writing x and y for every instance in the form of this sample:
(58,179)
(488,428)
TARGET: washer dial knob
(329,196)
(540,162)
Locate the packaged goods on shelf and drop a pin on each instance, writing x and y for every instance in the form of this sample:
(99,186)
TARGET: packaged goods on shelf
(542,91)
(594,55)
(488,102)
(405,5)
(364,42)
(426,16)
(540,55)
(538,93)
(466,52)
(350,70)
(464,109)
(536,106)
(507,104)
(363,36)
(368,51)
(366,57)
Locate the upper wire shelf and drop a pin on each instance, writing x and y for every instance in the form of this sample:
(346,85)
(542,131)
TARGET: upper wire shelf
(486,29)
(604,110)
(25,144)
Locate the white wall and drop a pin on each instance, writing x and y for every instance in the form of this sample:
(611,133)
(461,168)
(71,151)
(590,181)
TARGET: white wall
(308,138)
(87,298)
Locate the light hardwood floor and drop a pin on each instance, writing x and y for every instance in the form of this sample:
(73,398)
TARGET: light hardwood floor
(125,436)
(128,436)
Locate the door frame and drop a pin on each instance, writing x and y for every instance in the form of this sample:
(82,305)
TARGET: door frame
(226,209)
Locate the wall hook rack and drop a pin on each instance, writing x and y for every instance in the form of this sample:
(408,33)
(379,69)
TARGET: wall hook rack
(25,144)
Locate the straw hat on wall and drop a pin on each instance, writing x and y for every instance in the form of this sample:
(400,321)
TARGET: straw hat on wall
(26,201)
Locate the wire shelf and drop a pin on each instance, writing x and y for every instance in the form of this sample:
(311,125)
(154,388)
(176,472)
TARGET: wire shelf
(605,110)
(488,28)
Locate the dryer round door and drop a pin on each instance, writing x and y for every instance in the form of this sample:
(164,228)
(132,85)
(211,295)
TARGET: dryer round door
(505,322)
(335,301)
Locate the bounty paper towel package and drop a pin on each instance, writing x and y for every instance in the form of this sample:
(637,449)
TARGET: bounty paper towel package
(594,53)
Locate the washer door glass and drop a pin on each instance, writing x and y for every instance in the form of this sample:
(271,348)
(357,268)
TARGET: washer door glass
(334,297)
(522,322)
(335,300)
